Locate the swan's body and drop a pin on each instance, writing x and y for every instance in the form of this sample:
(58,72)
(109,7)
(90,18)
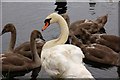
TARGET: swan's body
(24,48)
(15,64)
(62,60)
(96,26)
(110,41)
(102,54)
(91,26)
(98,53)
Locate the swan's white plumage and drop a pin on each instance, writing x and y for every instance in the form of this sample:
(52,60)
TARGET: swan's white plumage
(63,60)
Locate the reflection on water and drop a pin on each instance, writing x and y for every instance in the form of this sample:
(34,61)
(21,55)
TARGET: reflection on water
(92,8)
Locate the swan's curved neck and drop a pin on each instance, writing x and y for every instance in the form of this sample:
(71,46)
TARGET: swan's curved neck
(63,34)
(12,40)
(33,49)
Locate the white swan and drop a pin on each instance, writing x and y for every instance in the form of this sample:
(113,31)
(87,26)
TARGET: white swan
(62,60)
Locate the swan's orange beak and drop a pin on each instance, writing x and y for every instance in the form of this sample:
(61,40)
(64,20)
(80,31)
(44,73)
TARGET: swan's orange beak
(45,26)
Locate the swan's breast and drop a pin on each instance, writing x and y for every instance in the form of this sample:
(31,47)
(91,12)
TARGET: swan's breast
(67,51)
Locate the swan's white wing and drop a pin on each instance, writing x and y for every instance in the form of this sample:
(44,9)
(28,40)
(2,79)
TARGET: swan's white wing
(73,53)
(57,60)
(54,62)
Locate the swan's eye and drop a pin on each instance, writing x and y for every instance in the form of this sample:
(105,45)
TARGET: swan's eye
(47,20)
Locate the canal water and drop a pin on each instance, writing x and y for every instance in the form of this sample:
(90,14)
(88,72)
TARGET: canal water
(27,16)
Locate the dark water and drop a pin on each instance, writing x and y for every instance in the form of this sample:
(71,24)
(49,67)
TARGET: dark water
(27,16)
